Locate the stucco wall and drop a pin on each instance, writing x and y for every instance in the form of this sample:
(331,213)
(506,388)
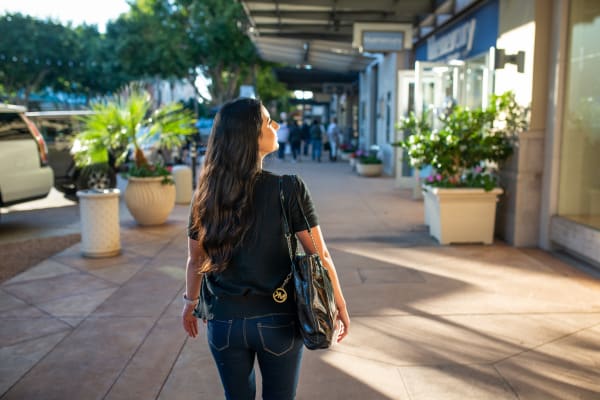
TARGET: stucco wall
(524,26)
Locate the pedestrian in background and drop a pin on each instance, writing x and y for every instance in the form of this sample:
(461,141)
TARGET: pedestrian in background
(333,135)
(316,140)
(295,139)
(305,136)
(238,255)
(283,135)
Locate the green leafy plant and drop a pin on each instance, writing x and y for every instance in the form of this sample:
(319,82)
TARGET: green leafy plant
(119,128)
(466,151)
(366,157)
(369,160)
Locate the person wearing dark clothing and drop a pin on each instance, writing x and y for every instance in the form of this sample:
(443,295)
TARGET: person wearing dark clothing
(238,257)
(295,139)
(316,140)
(305,137)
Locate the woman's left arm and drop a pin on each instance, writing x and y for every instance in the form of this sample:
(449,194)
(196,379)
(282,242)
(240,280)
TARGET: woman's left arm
(321,249)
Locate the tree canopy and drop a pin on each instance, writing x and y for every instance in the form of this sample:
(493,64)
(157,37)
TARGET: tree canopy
(35,54)
(156,39)
(186,38)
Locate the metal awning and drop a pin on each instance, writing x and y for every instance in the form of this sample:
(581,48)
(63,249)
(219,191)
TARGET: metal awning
(318,33)
(309,54)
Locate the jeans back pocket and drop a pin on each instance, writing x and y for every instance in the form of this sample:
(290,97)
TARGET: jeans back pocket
(218,333)
(277,339)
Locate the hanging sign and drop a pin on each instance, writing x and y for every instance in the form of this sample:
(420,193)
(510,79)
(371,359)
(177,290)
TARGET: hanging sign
(458,41)
(467,37)
(381,41)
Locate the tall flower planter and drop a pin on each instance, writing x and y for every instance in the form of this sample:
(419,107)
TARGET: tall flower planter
(461,215)
(369,169)
(99,215)
(149,200)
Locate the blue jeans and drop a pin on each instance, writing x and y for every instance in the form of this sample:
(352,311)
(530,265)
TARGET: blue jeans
(274,339)
(317,146)
(281,150)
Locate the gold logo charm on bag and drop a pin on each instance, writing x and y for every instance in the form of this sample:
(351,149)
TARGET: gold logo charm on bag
(280,295)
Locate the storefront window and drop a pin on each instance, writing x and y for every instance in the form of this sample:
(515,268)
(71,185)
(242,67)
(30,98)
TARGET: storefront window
(579,187)
(473,82)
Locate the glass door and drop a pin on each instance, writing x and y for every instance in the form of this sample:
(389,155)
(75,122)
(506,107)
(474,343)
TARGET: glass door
(466,83)
(440,89)
(477,80)
(407,103)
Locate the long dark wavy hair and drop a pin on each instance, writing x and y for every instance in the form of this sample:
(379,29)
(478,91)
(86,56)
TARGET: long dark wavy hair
(222,208)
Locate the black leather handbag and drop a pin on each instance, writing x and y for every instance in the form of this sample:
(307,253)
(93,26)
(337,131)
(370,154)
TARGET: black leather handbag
(317,312)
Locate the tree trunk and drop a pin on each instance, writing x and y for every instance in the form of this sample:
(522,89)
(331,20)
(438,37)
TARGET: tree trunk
(140,158)
(232,82)
(216,88)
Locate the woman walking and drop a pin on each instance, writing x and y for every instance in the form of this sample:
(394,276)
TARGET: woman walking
(237,253)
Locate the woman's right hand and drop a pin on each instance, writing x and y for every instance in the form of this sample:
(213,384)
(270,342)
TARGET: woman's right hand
(190,322)
(344,318)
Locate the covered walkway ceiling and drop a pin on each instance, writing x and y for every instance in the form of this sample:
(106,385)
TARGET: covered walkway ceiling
(317,34)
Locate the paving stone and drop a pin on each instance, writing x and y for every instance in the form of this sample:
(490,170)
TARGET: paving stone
(176,306)
(567,368)
(20,358)
(42,290)
(150,367)
(46,269)
(16,330)
(22,312)
(78,305)
(147,294)
(71,321)
(337,375)
(118,269)
(194,373)
(8,301)
(455,382)
(445,340)
(85,364)
(120,273)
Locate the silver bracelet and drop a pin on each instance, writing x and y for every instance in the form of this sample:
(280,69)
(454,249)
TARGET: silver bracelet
(189,301)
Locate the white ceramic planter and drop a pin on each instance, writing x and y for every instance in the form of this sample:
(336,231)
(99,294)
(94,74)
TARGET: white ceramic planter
(182,175)
(345,156)
(100,230)
(148,200)
(369,169)
(461,215)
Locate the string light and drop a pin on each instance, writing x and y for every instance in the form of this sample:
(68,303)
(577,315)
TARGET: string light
(7,58)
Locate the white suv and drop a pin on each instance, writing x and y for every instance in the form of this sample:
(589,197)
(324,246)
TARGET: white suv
(24,171)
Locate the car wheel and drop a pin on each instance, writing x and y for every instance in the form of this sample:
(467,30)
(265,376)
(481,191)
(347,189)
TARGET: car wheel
(96,177)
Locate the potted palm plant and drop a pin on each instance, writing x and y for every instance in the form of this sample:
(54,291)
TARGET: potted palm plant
(121,127)
(461,192)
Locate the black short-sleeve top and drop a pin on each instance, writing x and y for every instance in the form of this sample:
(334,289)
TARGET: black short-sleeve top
(261,262)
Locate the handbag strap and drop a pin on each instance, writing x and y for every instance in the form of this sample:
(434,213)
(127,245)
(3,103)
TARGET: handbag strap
(286,227)
(287,231)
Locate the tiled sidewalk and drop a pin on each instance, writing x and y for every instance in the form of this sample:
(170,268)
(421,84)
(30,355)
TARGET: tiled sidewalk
(428,321)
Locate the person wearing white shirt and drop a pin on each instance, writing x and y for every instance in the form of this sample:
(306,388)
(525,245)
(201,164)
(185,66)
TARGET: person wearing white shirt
(333,133)
(283,135)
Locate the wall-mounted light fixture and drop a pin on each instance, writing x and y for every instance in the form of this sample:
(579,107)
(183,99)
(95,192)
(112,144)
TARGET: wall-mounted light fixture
(501,58)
